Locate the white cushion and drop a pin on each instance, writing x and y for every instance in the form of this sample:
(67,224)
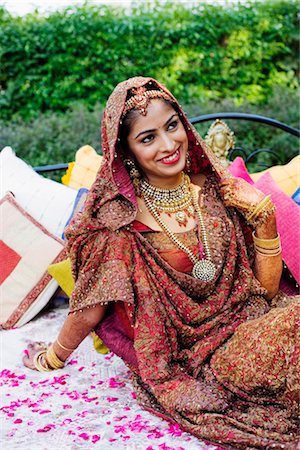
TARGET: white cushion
(49,202)
(26,250)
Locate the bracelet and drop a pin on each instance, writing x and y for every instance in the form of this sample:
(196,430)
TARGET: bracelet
(258,214)
(263,253)
(53,359)
(259,207)
(37,361)
(266,243)
(267,247)
(65,348)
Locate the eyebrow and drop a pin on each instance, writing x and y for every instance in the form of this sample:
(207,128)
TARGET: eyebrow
(154,129)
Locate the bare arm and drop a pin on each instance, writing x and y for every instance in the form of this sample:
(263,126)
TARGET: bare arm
(76,327)
(241,195)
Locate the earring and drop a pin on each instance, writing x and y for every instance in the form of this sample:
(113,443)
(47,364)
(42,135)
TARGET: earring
(188,162)
(132,170)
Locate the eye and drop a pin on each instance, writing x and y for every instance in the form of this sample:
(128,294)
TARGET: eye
(147,139)
(173,125)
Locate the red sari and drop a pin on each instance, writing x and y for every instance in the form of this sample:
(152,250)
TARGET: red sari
(215,357)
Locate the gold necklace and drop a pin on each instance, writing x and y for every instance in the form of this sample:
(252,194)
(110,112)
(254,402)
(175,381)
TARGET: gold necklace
(204,269)
(177,200)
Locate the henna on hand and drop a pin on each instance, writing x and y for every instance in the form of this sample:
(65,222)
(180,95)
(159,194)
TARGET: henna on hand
(237,193)
(30,352)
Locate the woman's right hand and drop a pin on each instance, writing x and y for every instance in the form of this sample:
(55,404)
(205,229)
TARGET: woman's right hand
(30,352)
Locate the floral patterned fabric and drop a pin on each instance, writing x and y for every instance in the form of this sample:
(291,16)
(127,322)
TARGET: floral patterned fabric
(214,357)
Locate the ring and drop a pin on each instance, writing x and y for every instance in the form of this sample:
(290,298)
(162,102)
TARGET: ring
(42,345)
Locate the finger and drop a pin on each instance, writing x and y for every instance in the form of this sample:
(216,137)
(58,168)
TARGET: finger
(28,363)
(41,344)
(228,180)
(228,176)
(226,193)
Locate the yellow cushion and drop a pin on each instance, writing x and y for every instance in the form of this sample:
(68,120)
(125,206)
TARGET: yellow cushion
(82,173)
(98,344)
(65,179)
(287,177)
(62,273)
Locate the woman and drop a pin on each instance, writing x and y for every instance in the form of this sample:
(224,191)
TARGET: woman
(177,268)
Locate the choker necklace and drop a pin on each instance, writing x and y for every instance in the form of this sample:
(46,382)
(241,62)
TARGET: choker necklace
(177,200)
(204,269)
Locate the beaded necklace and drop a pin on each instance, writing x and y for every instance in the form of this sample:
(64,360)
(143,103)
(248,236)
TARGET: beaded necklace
(204,269)
(177,200)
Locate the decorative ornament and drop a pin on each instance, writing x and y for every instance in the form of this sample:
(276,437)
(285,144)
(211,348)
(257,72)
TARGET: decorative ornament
(188,162)
(134,173)
(141,98)
(220,139)
(177,200)
(204,269)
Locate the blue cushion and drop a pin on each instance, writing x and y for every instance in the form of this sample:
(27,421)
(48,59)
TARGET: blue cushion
(78,205)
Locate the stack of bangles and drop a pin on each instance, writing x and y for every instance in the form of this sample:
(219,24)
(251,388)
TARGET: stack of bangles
(267,247)
(47,360)
(259,213)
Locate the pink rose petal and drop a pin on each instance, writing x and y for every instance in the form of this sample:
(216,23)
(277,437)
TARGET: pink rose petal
(112,399)
(84,436)
(95,438)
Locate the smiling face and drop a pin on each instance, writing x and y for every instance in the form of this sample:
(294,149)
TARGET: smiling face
(159,144)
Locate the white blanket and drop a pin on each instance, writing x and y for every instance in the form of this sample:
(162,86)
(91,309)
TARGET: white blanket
(90,404)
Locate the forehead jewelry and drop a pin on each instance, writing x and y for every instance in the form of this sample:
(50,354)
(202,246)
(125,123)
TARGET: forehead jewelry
(141,98)
(204,269)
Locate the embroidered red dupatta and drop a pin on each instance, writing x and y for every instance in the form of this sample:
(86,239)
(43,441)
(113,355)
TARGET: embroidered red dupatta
(215,357)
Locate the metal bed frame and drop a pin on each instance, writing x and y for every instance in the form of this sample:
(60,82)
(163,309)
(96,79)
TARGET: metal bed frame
(211,117)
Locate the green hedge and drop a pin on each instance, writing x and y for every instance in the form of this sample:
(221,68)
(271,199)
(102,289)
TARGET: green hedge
(54,138)
(52,63)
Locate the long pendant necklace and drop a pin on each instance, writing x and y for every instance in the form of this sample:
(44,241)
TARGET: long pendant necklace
(177,200)
(204,269)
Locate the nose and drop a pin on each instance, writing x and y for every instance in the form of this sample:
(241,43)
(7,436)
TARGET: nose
(167,143)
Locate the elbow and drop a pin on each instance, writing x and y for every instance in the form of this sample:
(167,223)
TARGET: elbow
(271,293)
(92,316)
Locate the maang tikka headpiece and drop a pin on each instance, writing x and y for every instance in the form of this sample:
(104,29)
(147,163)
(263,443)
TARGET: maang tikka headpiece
(141,98)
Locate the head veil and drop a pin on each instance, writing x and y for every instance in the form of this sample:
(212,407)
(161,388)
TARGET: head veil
(111,202)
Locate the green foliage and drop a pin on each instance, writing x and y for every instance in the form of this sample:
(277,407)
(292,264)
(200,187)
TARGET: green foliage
(58,70)
(50,63)
(251,135)
(54,138)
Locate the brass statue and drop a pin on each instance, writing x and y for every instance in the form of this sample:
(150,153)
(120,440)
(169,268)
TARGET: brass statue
(220,139)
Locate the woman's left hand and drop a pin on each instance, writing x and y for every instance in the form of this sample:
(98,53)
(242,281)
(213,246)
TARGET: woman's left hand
(237,193)
(30,352)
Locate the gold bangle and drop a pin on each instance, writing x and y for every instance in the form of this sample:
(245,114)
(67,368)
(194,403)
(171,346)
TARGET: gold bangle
(266,243)
(65,348)
(259,207)
(37,362)
(268,254)
(53,359)
(267,251)
(262,212)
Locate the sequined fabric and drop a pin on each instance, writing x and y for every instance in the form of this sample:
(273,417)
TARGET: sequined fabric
(203,352)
